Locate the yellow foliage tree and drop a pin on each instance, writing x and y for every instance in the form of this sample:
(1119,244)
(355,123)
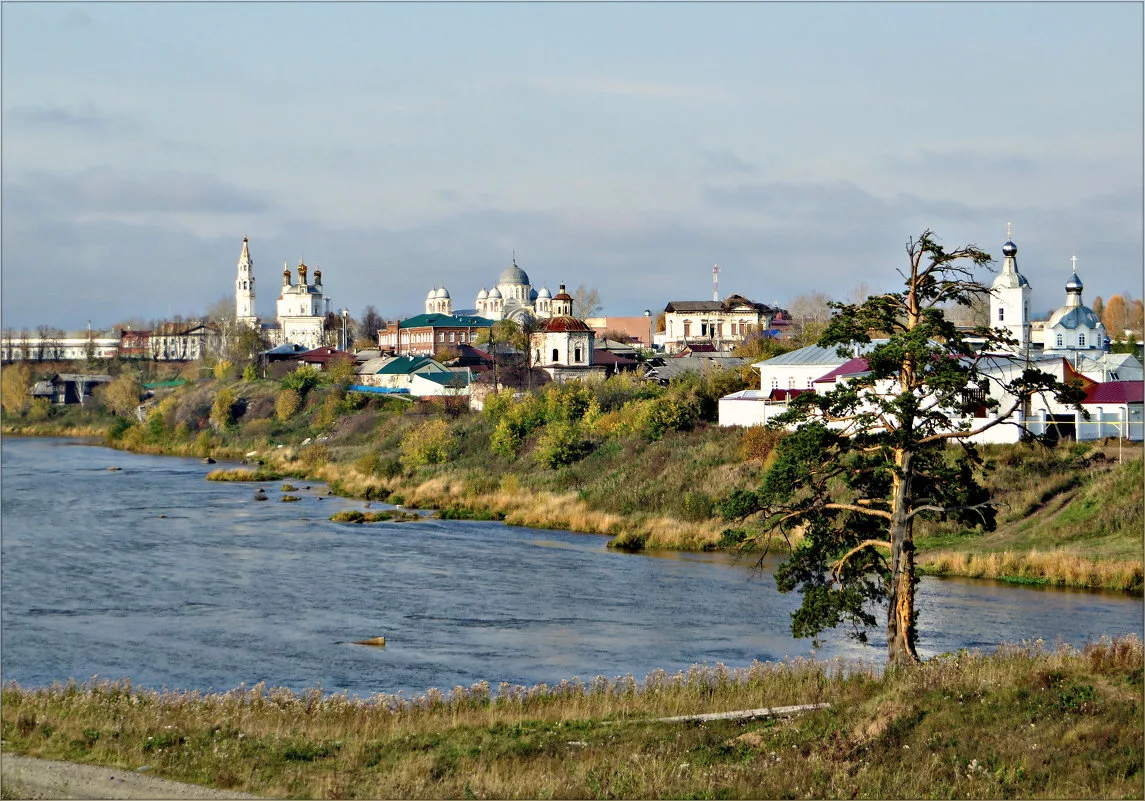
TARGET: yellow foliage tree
(16,392)
(121,396)
(1114,317)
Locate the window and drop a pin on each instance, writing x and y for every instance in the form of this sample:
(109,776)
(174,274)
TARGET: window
(704,328)
(555,357)
(441,336)
(1059,340)
(809,384)
(719,329)
(1081,340)
(687,327)
(451,336)
(791,382)
(577,353)
(1001,313)
(775,383)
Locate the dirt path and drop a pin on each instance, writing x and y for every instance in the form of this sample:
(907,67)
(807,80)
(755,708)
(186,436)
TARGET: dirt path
(25,777)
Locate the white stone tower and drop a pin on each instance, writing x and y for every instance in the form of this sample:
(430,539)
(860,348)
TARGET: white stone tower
(1010,299)
(244,288)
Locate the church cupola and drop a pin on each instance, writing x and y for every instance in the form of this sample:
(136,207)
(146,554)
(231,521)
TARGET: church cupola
(285,274)
(317,277)
(1073,287)
(302,268)
(562,303)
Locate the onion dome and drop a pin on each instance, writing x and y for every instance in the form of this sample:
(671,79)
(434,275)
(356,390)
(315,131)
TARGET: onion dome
(483,294)
(544,293)
(1009,250)
(494,294)
(1074,284)
(513,275)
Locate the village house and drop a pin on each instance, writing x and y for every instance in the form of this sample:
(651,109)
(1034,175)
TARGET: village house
(435,334)
(722,324)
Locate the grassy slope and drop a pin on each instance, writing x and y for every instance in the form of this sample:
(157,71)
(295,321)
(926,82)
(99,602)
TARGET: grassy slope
(1022,722)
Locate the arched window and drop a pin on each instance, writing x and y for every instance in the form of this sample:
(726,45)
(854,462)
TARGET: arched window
(555,355)
(1081,340)
(1059,340)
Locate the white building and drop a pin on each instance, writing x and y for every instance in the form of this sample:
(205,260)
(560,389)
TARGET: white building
(723,324)
(563,347)
(513,297)
(1010,299)
(1074,328)
(300,311)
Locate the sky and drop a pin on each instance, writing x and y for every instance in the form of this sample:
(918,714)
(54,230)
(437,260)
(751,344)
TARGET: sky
(627,147)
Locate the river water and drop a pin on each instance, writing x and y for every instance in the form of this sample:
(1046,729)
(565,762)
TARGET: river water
(154,574)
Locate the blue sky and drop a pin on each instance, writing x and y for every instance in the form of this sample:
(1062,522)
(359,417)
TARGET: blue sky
(627,147)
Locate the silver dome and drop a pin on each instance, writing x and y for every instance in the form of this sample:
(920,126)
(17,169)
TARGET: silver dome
(544,293)
(1009,249)
(513,275)
(1074,284)
(494,294)
(484,293)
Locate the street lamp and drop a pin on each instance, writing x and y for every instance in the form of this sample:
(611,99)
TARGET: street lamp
(345,315)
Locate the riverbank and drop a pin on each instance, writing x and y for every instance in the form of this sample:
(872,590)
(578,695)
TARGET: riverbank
(1025,721)
(643,470)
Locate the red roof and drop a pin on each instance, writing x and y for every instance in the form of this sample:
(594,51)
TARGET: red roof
(785,394)
(852,367)
(323,355)
(556,325)
(602,356)
(1115,392)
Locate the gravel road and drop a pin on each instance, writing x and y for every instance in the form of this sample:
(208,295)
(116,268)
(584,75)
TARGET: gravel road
(25,777)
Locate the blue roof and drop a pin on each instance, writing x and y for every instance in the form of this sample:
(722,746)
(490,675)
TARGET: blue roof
(444,321)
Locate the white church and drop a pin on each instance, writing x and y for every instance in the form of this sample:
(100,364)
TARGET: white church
(1073,331)
(511,298)
(300,311)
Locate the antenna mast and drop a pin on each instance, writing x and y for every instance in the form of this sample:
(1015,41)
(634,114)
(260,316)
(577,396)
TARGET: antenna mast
(716,282)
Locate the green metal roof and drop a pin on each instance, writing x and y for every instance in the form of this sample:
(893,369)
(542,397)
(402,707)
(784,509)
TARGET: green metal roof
(174,382)
(444,321)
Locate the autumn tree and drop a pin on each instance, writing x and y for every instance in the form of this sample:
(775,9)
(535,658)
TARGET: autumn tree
(370,324)
(16,388)
(809,314)
(1098,306)
(1114,317)
(586,302)
(121,395)
(867,460)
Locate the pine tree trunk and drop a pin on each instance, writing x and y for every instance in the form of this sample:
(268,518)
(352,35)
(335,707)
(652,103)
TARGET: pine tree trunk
(900,609)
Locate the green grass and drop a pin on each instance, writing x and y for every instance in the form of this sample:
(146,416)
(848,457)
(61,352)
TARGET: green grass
(1025,721)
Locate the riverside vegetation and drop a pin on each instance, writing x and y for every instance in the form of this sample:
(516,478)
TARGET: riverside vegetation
(1023,722)
(641,463)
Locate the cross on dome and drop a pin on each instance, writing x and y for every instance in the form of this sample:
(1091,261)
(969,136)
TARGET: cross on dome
(1073,261)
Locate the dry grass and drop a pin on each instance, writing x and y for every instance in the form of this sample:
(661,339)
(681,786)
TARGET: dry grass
(1024,722)
(1057,568)
(242,474)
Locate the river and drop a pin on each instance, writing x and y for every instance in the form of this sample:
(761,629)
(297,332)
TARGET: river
(154,574)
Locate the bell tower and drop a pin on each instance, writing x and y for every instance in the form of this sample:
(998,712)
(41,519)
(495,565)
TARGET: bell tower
(244,288)
(1010,299)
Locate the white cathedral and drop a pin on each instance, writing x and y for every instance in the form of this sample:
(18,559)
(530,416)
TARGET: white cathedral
(301,309)
(1073,330)
(511,298)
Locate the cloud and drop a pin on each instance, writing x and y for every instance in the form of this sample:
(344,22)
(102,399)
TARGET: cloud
(565,85)
(725,161)
(109,192)
(87,119)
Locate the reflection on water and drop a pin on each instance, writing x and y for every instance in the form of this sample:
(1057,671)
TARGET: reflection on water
(224,590)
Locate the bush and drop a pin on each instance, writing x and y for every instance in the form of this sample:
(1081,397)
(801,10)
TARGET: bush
(757,442)
(250,373)
(657,417)
(287,404)
(560,444)
(118,427)
(224,409)
(302,380)
(224,370)
(432,442)
(315,456)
